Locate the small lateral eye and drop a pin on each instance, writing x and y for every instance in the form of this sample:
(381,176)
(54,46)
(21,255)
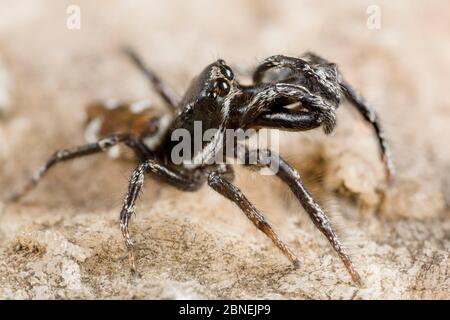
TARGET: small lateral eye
(188,108)
(212,94)
(222,87)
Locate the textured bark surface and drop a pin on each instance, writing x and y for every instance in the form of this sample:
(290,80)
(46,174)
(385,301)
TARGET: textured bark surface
(63,240)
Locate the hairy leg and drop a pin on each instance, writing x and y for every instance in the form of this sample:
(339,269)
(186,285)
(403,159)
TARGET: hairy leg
(166,93)
(292,178)
(190,181)
(77,152)
(231,192)
(305,66)
(371,117)
(278,61)
(366,111)
(320,78)
(267,100)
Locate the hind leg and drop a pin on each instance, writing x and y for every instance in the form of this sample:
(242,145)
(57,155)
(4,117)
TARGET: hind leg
(166,93)
(78,152)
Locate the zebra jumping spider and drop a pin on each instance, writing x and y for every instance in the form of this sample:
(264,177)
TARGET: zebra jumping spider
(220,102)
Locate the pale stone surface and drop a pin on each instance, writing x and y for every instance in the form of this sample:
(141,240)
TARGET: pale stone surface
(63,240)
(5,89)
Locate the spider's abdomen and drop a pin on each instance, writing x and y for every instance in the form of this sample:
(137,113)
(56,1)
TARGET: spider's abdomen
(140,119)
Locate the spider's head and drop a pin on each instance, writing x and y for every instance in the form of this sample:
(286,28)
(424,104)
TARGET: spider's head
(206,110)
(209,96)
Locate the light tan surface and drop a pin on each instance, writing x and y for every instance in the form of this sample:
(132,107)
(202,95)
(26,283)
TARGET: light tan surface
(63,240)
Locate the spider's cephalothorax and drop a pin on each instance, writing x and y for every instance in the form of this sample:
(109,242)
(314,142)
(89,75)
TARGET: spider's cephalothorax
(287,93)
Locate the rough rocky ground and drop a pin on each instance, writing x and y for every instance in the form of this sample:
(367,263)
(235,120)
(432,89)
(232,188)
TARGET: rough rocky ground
(63,240)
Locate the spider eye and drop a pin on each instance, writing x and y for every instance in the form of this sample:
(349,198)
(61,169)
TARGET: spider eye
(189,108)
(226,70)
(222,87)
(212,94)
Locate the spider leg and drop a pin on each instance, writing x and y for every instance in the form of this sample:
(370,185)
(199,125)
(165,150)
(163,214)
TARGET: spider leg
(166,93)
(266,101)
(311,57)
(366,111)
(289,120)
(278,61)
(304,66)
(185,181)
(311,71)
(292,178)
(370,116)
(221,185)
(77,152)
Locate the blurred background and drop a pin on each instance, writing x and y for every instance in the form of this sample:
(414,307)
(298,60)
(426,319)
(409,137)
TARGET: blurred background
(397,54)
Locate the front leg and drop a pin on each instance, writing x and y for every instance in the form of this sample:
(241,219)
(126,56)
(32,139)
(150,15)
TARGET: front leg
(320,78)
(334,84)
(267,100)
(368,114)
(372,118)
(189,181)
(278,62)
(289,120)
(292,178)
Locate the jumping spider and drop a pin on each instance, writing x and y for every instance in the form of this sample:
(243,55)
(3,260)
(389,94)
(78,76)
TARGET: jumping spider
(219,101)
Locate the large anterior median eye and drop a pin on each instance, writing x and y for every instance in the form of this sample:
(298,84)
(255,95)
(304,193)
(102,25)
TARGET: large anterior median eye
(222,87)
